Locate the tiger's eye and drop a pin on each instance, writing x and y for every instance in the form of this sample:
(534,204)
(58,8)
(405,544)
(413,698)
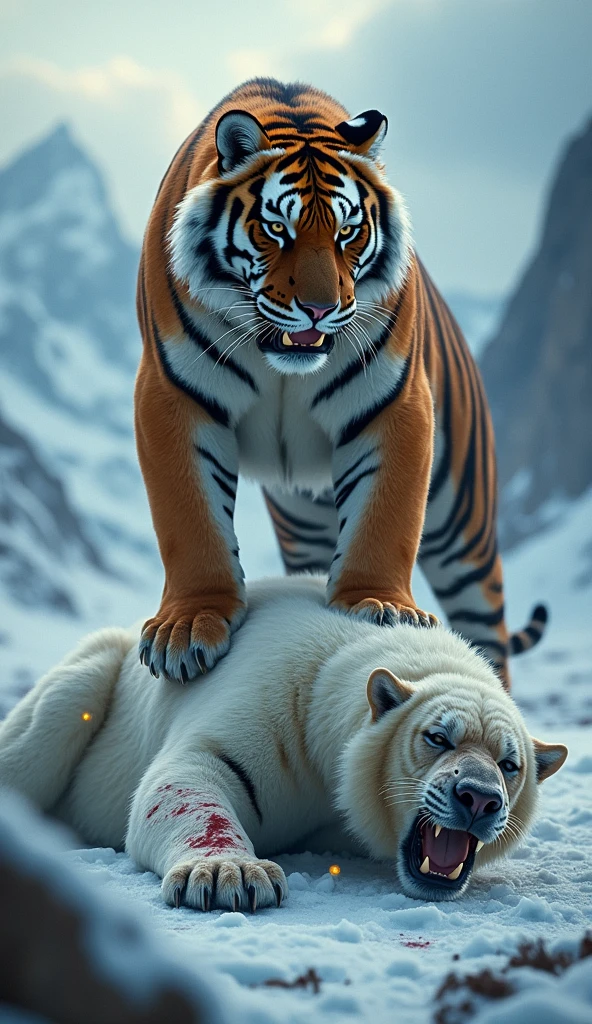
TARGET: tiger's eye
(277,227)
(346,231)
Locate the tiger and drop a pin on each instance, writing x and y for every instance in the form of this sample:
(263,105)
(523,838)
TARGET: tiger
(316,731)
(291,333)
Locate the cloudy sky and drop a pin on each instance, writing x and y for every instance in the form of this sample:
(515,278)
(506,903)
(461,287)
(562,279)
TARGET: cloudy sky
(481,96)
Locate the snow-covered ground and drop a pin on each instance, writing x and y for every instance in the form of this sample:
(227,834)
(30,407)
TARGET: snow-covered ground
(375,954)
(380,955)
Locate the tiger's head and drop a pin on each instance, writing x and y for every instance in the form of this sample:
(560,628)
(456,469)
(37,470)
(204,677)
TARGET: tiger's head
(302,225)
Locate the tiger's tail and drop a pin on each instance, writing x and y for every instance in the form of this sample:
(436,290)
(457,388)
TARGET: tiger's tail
(529,637)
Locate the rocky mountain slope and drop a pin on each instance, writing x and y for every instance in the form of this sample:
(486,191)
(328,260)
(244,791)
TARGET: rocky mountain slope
(40,532)
(68,276)
(76,543)
(69,344)
(538,368)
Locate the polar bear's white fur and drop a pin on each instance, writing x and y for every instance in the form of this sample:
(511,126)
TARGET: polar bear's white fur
(313,718)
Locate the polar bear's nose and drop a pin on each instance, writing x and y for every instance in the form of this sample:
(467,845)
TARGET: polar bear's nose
(477,802)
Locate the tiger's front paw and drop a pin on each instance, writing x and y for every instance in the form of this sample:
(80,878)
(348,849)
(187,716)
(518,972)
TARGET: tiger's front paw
(233,882)
(386,613)
(183,641)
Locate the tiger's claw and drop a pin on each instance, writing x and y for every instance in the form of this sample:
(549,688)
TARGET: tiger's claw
(184,644)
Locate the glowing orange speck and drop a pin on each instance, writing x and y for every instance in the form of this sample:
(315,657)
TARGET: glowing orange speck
(335,869)
(86,716)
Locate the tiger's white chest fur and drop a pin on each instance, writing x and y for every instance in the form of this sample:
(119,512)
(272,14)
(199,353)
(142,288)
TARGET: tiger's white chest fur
(286,425)
(280,442)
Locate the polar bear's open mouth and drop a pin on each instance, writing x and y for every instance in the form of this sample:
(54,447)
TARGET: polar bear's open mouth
(439,857)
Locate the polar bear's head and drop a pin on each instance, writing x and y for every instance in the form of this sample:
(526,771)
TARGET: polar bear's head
(442,777)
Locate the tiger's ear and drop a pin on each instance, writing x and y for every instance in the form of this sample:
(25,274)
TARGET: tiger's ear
(548,757)
(364,133)
(238,136)
(385,692)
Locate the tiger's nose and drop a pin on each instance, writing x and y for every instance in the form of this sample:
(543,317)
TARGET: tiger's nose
(317,312)
(478,803)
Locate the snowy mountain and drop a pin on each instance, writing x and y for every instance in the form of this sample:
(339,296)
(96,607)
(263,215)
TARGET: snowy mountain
(38,527)
(67,274)
(538,369)
(76,543)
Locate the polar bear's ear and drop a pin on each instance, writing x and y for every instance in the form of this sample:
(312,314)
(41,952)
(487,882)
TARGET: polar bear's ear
(385,692)
(549,757)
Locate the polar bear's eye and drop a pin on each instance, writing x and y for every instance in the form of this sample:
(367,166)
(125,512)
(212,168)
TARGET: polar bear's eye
(438,739)
(509,767)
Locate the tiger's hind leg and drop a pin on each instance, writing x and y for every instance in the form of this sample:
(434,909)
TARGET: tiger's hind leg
(471,595)
(306,528)
(458,551)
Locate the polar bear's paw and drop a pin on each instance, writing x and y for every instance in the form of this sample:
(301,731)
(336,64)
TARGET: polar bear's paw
(236,882)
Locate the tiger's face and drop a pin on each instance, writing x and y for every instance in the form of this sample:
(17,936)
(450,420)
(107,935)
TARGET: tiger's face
(442,779)
(306,232)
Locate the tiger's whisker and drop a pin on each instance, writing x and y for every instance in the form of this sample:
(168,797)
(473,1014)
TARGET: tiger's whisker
(239,341)
(217,341)
(354,344)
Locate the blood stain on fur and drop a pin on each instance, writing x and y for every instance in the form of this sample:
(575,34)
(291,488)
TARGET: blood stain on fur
(218,835)
(152,811)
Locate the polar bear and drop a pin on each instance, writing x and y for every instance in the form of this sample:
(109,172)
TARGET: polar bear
(313,720)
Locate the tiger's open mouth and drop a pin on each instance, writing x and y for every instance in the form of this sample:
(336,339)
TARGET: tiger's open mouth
(307,343)
(439,858)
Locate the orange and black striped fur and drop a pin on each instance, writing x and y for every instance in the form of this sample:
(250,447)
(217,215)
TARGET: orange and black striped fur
(291,334)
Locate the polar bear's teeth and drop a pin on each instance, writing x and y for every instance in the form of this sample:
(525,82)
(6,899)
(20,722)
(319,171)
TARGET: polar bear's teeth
(286,340)
(437,830)
(454,874)
(479,846)
(425,867)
